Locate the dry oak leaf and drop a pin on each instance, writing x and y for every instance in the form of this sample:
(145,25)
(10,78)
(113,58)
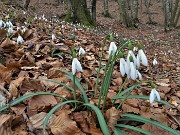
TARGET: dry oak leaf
(13,87)
(63,125)
(112,116)
(41,103)
(5,124)
(81,120)
(37,120)
(20,130)
(94,130)
(9,45)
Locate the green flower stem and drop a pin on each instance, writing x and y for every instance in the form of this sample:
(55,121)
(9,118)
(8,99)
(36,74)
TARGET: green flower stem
(74,83)
(98,73)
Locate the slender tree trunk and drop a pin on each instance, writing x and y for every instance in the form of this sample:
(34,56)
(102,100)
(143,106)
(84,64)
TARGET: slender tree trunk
(106,8)
(167,6)
(134,12)
(78,13)
(175,13)
(94,11)
(147,5)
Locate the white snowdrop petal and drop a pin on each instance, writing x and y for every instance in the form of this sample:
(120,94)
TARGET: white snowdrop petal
(157,95)
(137,61)
(132,71)
(139,75)
(152,96)
(81,51)
(155,62)
(78,66)
(122,66)
(73,67)
(112,48)
(143,58)
(127,69)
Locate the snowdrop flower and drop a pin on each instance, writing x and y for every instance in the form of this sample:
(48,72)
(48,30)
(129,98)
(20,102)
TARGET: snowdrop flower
(155,62)
(20,40)
(153,95)
(123,67)
(10,30)
(53,37)
(139,75)
(9,24)
(81,51)
(112,48)
(130,53)
(2,24)
(142,57)
(76,66)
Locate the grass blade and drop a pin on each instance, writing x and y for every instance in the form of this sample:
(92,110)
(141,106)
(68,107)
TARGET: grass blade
(22,98)
(134,128)
(101,119)
(53,110)
(133,117)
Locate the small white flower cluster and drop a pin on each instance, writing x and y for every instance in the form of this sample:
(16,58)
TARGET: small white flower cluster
(132,63)
(10,30)
(76,65)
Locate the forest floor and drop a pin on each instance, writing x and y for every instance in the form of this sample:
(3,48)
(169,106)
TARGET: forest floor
(21,65)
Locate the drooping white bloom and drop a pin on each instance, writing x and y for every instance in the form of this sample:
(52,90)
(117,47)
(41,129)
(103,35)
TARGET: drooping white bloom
(9,24)
(130,53)
(153,95)
(123,67)
(139,75)
(76,66)
(142,57)
(10,30)
(132,74)
(20,40)
(53,37)
(112,48)
(81,51)
(2,24)
(155,62)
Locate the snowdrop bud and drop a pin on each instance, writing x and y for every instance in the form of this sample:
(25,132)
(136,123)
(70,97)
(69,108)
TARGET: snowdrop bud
(155,62)
(137,61)
(112,48)
(9,24)
(76,66)
(130,46)
(153,95)
(131,54)
(53,37)
(81,51)
(20,40)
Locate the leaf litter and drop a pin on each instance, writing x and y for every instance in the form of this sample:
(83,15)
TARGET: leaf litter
(25,66)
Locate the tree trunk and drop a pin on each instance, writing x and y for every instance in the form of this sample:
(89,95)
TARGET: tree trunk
(94,11)
(78,13)
(175,13)
(106,8)
(134,12)
(123,7)
(167,6)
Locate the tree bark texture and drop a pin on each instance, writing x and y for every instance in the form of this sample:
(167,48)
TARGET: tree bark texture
(78,13)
